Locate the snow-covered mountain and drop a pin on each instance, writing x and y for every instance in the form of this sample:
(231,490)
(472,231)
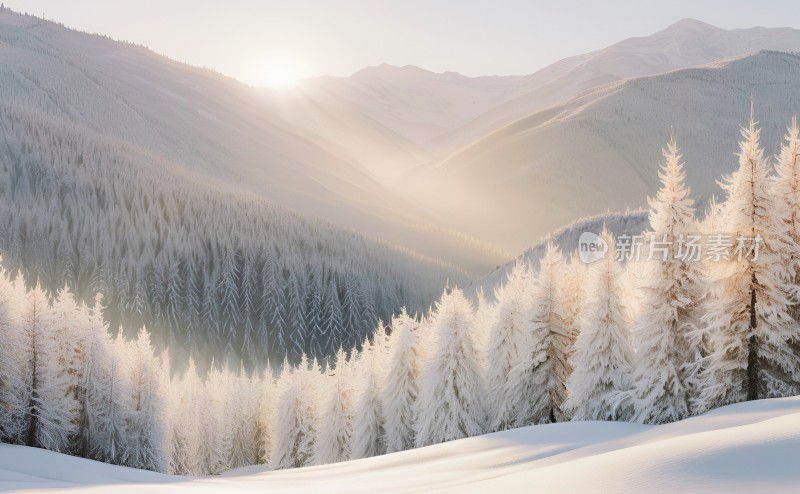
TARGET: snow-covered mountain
(418,104)
(175,192)
(739,448)
(684,44)
(600,151)
(453,122)
(225,133)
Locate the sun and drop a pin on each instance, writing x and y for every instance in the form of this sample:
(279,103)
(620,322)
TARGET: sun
(278,74)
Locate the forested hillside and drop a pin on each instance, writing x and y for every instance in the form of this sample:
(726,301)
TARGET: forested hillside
(231,276)
(192,204)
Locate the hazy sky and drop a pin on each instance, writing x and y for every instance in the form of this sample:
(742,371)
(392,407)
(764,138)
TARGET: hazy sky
(249,39)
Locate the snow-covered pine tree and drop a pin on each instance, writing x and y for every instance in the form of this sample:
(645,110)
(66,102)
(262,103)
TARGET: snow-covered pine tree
(313,312)
(309,374)
(290,428)
(484,316)
(712,225)
(510,323)
(12,389)
(333,317)
(146,432)
(351,312)
(574,288)
(50,409)
(103,432)
(336,415)
(536,386)
(368,433)
(787,191)
(81,350)
(265,389)
(450,402)
(229,292)
(295,322)
(185,406)
(748,322)
(400,388)
(278,336)
(243,403)
(175,312)
(602,358)
(249,309)
(268,306)
(195,294)
(672,291)
(219,399)
(211,307)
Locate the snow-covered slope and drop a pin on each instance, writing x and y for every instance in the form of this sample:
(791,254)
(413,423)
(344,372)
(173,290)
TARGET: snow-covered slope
(600,151)
(748,447)
(684,44)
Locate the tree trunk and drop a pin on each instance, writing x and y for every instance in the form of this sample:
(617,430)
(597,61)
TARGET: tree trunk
(33,411)
(752,347)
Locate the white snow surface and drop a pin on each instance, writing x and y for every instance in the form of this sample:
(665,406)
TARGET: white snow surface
(748,447)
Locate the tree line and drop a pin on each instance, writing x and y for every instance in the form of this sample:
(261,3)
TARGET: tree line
(651,341)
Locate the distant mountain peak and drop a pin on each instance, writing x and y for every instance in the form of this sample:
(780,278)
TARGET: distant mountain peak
(689,23)
(386,70)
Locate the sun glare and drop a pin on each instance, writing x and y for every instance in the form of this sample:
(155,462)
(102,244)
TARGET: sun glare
(278,74)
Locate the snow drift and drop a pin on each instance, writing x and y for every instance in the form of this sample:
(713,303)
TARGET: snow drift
(739,448)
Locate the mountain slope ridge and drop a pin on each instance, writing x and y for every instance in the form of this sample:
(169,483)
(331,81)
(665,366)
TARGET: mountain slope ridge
(600,150)
(684,44)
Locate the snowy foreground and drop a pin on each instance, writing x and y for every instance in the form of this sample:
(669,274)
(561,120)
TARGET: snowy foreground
(747,447)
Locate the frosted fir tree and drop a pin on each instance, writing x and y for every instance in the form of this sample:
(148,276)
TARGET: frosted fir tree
(672,290)
(313,311)
(510,323)
(269,305)
(451,390)
(336,415)
(332,322)
(310,375)
(536,386)
(244,440)
(484,317)
(551,312)
(185,407)
(265,389)
(218,398)
(290,433)
(147,431)
(367,437)
(12,383)
(711,226)
(229,291)
(106,406)
(400,385)
(573,291)
(602,358)
(51,409)
(295,322)
(787,192)
(748,321)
